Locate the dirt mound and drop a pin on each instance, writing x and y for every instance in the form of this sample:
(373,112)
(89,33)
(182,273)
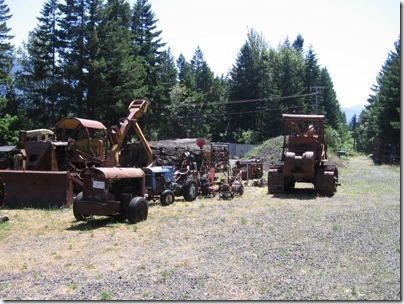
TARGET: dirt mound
(269,151)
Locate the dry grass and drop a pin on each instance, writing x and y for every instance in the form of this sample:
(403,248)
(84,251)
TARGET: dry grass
(255,247)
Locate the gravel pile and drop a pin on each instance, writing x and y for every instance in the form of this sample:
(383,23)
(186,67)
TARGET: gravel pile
(255,247)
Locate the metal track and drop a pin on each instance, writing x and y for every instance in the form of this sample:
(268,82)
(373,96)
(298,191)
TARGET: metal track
(276,179)
(326,180)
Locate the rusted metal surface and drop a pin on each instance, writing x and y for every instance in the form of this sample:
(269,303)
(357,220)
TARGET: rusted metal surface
(74,122)
(40,156)
(36,189)
(108,191)
(304,157)
(114,172)
(250,169)
(50,168)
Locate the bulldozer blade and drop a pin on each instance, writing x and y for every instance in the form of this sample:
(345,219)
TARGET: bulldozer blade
(35,189)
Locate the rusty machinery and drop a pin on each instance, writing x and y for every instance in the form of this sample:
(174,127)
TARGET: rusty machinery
(304,157)
(250,169)
(112,191)
(50,170)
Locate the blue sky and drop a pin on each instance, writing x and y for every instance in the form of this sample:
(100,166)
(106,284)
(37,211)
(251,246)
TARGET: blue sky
(352,38)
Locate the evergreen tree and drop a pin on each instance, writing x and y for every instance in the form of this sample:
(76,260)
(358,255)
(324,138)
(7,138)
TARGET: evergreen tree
(38,78)
(185,75)
(312,81)
(218,119)
(204,92)
(289,78)
(122,73)
(380,121)
(167,79)
(298,44)
(388,99)
(73,54)
(246,82)
(8,97)
(6,49)
(147,45)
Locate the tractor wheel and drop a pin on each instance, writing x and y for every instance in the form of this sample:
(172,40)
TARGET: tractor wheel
(190,190)
(137,210)
(78,216)
(241,191)
(167,197)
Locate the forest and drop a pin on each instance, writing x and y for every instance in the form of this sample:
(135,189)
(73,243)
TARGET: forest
(91,58)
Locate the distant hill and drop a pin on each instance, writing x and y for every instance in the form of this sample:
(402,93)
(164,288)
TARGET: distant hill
(351,111)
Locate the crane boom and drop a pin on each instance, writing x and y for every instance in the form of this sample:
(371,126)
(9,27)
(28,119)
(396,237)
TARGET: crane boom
(137,109)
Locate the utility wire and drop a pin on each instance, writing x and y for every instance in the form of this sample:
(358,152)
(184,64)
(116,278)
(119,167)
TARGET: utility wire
(236,113)
(275,98)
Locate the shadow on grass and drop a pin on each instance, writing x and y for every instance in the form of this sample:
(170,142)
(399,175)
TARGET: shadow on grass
(95,223)
(297,193)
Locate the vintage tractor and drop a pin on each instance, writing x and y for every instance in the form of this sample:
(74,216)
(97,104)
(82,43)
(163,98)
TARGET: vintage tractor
(166,184)
(112,192)
(304,157)
(47,172)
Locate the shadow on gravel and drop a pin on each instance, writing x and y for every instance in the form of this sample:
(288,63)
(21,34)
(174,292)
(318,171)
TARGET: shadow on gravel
(94,224)
(300,194)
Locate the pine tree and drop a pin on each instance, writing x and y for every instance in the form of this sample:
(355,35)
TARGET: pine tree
(167,79)
(121,72)
(312,81)
(298,44)
(6,49)
(289,77)
(388,97)
(147,45)
(38,79)
(8,97)
(73,55)
(380,121)
(185,75)
(246,82)
(203,92)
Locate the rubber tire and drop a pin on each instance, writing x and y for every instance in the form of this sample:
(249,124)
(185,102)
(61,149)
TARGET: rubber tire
(137,210)
(78,216)
(167,197)
(190,190)
(241,191)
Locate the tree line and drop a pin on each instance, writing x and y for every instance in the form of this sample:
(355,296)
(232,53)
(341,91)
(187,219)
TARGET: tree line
(379,123)
(91,58)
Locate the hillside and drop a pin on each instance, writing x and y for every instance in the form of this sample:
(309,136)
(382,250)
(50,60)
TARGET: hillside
(351,111)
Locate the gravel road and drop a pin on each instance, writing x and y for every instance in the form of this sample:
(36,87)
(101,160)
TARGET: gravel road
(254,247)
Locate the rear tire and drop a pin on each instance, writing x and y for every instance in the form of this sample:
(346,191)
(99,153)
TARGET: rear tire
(137,210)
(190,190)
(78,216)
(167,197)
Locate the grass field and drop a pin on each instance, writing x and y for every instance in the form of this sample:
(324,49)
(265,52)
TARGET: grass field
(294,246)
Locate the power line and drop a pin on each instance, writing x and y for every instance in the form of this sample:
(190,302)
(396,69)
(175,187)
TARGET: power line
(236,113)
(275,98)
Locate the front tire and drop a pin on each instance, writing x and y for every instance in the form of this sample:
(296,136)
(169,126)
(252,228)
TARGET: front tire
(167,197)
(78,216)
(137,210)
